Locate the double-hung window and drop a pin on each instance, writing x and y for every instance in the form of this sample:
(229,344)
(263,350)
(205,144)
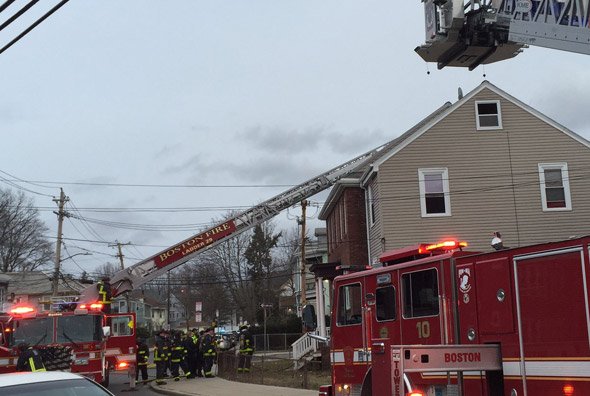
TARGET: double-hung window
(555,188)
(434,192)
(488,115)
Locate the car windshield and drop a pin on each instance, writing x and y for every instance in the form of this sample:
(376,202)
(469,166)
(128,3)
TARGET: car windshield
(74,387)
(33,331)
(79,328)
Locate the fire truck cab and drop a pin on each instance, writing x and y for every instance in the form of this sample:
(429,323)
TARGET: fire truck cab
(75,337)
(439,321)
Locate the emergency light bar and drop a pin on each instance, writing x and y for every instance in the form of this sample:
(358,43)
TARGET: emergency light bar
(22,310)
(91,307)
(415,252)
(445,245)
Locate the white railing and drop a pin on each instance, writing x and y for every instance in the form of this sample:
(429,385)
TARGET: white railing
(303,346)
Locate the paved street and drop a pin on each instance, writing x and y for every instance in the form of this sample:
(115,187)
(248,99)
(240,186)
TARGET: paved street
(221,387)
(200,387)
(120,385)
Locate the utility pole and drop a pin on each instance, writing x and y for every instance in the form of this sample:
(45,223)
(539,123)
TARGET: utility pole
(168,298)
(60,218)
(303,231)
(120,256)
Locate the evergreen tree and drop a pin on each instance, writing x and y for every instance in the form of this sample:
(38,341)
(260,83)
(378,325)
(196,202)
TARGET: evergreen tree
(261,264)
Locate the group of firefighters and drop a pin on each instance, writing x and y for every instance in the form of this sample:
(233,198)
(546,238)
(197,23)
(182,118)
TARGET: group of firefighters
(193,353)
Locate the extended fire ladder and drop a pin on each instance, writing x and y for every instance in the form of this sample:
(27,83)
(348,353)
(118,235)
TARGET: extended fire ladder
(144,271)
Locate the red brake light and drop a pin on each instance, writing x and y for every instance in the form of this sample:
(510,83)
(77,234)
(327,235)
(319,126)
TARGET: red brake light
(568,390)
(416,393)
(22,310)
(122,365)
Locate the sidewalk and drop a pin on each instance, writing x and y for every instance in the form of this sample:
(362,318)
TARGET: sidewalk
(220,387)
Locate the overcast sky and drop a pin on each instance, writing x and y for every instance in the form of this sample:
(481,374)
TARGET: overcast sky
(244,93)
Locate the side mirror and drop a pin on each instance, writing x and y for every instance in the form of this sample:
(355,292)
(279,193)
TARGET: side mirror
(106,331)
(309,318)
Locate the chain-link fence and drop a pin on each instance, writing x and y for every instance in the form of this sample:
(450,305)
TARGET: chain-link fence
(276,368)
(275,342)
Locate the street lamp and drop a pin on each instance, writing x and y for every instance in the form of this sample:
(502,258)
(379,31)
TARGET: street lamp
(264,307)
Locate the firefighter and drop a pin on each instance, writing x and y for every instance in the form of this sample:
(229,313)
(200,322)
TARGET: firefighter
(192,349)
(199,362)
(208,350)
(246,350)
(29,359)
(190,344)
(178,357)
(161,356)
(104,292)
(142,356)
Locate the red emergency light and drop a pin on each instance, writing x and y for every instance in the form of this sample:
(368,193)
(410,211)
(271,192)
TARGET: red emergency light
(415,393)
(444,245)
(568,390)
(91,306)
(22,310)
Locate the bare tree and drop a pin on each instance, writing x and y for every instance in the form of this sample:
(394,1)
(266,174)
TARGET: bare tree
(200,281)
(106,270)
(287,254)
(23,246)
(229,258)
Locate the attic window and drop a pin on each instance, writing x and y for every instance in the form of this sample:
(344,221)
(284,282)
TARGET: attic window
(488,115)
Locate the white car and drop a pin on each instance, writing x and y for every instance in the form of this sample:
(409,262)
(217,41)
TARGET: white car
(49,383)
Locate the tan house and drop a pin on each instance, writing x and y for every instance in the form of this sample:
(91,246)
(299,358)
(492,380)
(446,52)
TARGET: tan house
(486,163)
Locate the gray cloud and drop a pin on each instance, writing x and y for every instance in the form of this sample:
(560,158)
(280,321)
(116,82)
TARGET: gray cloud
(279,139)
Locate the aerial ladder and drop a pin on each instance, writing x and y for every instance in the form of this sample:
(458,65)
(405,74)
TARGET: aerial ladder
(146,270)
(469,33)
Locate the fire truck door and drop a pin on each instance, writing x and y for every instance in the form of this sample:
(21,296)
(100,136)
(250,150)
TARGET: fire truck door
(421,305)
(553,319)
(121,344)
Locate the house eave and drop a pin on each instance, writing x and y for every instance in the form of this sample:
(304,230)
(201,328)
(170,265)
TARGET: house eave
(335,194)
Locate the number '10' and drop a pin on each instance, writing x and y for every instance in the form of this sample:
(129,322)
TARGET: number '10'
(423,329)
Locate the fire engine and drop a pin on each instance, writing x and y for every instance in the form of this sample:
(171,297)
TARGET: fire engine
(73,337)
(437,320)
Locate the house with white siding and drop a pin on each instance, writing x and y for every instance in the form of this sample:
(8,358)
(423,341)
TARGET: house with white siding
(488,162)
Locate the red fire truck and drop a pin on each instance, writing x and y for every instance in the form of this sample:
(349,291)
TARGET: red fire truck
(436,320)
(75,337)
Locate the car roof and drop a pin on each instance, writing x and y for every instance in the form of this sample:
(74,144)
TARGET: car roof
(36,377)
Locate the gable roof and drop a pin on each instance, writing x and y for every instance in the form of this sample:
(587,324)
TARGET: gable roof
(355,177)
(418,130)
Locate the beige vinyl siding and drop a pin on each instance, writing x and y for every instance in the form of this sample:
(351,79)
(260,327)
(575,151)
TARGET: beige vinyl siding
(482,166)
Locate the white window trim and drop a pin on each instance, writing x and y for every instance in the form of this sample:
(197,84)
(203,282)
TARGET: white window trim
(566,185)
(445,179)
(488,128)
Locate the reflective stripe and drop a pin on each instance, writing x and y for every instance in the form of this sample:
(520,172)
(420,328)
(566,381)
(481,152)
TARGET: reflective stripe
(32,365)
